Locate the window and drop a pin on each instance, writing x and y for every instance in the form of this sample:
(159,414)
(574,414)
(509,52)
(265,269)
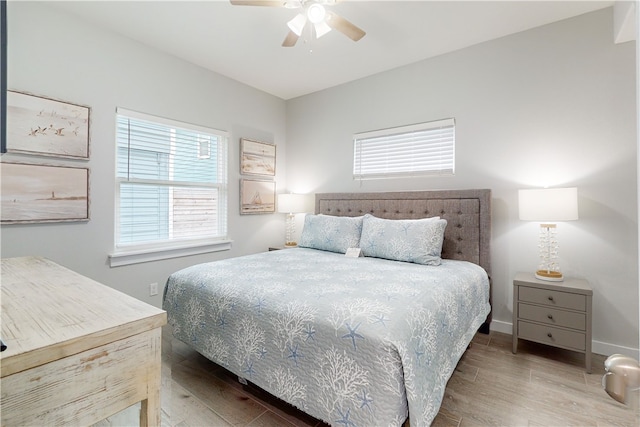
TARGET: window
(171,180)
(420,149)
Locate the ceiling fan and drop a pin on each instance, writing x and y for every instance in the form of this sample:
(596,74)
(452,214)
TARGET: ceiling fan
(314,12)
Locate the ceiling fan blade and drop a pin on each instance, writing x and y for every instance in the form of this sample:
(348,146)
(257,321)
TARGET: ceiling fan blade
(338,23)
(290,40)
(269,3)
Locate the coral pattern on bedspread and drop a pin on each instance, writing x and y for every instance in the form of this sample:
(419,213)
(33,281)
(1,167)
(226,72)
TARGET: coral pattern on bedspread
(351,341)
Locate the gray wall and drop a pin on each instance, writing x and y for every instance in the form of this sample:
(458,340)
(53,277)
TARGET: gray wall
(550,106)
(56,55)
(553,106)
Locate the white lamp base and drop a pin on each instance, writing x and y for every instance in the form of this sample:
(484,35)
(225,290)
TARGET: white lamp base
(550,276)
(548,269)
(290,229)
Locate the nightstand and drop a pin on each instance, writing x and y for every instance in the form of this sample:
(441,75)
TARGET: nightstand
(553,313)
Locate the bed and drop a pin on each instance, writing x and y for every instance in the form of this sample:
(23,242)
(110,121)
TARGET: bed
(353,341)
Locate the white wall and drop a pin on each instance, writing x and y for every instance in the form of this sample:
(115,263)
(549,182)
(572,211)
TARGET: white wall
(53,54)
(553,106)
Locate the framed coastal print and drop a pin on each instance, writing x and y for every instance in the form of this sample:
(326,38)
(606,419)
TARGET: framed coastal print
(257,196)
(46,127)
(257,158)
(33,193)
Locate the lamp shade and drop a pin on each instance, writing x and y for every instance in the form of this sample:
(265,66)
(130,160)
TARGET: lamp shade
(297,23)
(321,28)
(292,203)
(548,204)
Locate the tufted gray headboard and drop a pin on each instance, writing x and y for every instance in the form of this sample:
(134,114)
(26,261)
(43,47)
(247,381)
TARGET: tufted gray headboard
(468,214)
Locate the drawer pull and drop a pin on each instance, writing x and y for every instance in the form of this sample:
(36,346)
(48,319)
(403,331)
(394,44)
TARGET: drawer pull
(550,317)
(550,298)
(549,334)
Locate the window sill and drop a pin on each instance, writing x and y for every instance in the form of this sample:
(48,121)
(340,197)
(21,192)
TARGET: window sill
(127,257)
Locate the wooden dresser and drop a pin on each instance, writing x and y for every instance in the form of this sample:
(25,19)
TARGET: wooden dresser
(553,313)
(77,351)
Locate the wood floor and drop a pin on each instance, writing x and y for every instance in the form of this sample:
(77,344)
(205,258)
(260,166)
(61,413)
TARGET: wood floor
(539,386)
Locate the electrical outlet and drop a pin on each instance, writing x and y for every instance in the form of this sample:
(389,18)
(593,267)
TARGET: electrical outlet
(153,289)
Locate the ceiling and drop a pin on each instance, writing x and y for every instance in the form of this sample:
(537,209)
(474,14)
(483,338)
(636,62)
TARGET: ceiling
(244,42)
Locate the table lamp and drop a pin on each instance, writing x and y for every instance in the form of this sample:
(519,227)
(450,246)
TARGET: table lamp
(291,204)
(548,206)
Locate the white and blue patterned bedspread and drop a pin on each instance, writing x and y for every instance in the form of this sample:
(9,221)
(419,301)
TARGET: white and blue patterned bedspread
(351,341)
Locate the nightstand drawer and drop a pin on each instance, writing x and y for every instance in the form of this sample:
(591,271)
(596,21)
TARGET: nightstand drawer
(552,316)
(553,336)
(553,298)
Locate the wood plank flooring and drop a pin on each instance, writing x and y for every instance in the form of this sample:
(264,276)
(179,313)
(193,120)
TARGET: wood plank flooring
(538,386)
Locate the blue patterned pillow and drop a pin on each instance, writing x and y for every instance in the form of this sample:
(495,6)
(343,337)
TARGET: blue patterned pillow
(331,233)
(410,240)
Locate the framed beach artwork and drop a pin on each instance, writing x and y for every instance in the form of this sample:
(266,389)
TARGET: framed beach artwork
(33,193)
(257,196)
(257,158)
(43,126)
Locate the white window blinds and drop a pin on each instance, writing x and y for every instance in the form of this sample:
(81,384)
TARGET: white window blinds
(420,149)
(172,181)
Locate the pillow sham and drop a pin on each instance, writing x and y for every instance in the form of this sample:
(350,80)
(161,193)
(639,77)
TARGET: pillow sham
(331,233)
(410,240)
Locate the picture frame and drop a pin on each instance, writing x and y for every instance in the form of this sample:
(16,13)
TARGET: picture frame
(46,127)
(257,196)
(257,158)
(35,193)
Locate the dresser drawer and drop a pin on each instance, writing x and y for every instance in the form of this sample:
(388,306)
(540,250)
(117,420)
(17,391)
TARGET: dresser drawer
(553,336)
(553,316)
(553,298)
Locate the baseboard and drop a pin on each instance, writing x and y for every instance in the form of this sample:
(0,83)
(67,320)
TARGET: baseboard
(597,347)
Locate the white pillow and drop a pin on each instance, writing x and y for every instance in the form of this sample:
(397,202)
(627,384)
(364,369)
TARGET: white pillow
(411,240)
(331,233)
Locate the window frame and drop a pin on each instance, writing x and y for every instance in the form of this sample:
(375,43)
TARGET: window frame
(125,254)
(387,135)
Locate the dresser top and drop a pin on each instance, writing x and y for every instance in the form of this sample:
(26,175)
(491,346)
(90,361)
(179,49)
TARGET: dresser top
(49,312)
(569,284)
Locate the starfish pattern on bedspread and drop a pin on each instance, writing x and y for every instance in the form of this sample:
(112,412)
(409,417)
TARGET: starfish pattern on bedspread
(345,421)
(295,354)
(353,335)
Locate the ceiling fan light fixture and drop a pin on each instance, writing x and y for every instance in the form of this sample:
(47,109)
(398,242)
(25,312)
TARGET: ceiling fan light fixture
(321,28)
(292,4)
(297,24)
(316,13)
